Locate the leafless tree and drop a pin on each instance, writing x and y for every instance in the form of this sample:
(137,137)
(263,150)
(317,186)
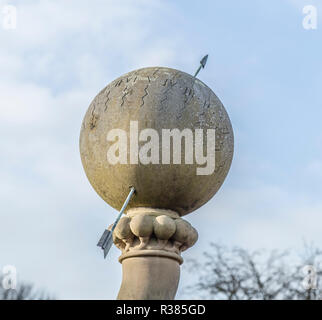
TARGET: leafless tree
(237,274)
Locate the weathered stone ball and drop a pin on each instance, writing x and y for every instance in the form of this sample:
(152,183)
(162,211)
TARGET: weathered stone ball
(178,163)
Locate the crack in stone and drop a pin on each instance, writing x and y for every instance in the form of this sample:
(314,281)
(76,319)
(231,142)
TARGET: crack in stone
(146,93)
(189,93)
(118,83)
(124,95)
(107,99)
(93,118)
(169,87)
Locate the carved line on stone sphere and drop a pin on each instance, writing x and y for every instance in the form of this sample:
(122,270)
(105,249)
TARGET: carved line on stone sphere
(204,105)
(165,82)
(154,73)
(146,93)
(124,95)
(118,83)
(107,99)
(189,94)
(170,84)
(94,117)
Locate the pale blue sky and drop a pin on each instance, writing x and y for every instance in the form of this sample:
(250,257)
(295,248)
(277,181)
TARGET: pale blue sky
(263,65)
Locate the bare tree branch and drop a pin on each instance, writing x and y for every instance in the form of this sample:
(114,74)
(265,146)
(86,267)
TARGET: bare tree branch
(237,274)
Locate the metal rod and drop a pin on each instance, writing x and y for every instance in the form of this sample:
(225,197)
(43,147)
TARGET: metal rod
(123,207)
(197,71)
(106,239)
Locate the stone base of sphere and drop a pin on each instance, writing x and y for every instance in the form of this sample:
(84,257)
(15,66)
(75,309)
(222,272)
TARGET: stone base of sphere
(151,241)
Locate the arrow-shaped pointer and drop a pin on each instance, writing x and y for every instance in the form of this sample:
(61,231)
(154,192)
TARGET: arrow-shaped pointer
(202,64)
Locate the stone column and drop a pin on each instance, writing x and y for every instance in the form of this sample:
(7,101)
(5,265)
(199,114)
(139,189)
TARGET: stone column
(151,241)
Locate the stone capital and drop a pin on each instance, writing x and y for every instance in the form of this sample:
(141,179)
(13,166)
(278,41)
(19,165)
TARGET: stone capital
(151,241)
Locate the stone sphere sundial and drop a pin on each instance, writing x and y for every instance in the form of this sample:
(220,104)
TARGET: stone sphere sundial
(167,134)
